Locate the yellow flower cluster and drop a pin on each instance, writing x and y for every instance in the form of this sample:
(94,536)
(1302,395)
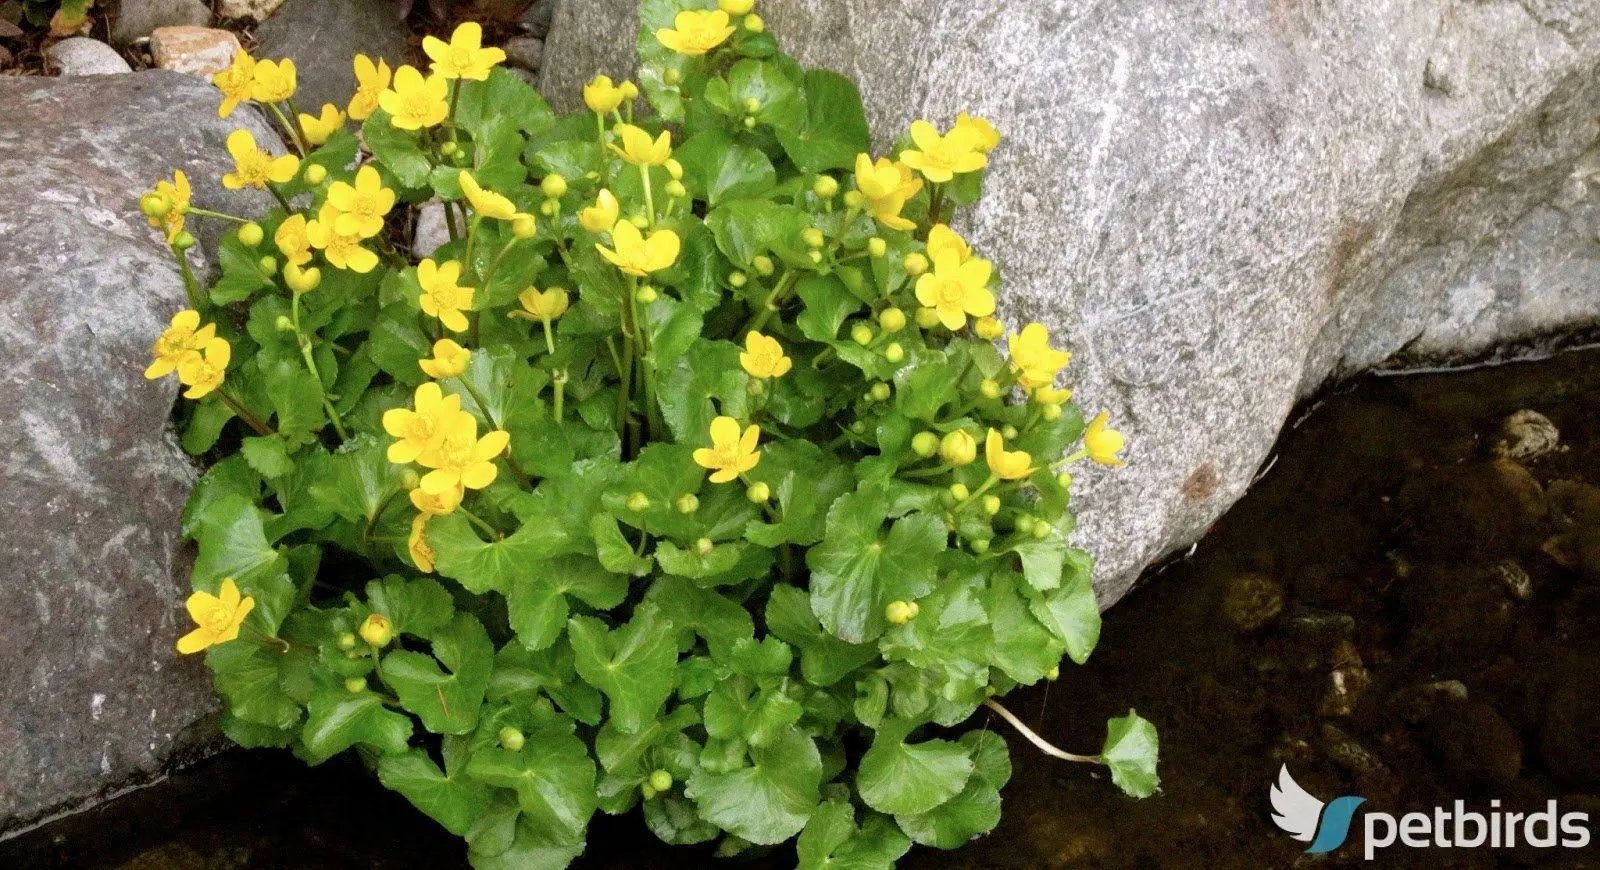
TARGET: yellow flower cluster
(195,352)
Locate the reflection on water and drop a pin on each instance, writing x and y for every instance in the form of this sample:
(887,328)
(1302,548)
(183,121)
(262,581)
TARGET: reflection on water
(1393,612)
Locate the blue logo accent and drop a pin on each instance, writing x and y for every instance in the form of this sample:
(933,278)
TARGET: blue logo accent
(1335,825)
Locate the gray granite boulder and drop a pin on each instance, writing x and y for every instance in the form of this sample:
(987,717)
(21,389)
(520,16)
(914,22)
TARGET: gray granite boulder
(323,37)
(136,19)
(1225,204)
(93,696)
(82,56)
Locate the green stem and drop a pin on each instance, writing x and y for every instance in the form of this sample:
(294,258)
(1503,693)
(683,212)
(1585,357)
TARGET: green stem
(926,472)
(649,197)
(372,521)
(488,415)
(478,521)
(559,377)
(774,299)
(935,206)
(243,413)
(287,208)
(1043,745)
(311,365)
(1067,460)
(455,99)
(549,336)
(293,130)
(205,212)
(191,287)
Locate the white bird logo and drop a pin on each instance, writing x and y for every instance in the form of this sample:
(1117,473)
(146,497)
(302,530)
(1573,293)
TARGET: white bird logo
(1293,808)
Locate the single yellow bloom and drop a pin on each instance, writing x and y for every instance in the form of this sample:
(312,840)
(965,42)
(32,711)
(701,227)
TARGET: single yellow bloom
(376,630)
(203,372)
(236,82)
(293,240)
(736,7)
(941,158)
(462,458)
(441,296)
(638,148)
(421,430)
(730,454)
(887,185)
(372,79)
(342,250)
(955,289)
(1051,396)
(360,208)
(600,217)
(421,552)
(318,129)
(696,31)
(635,255)
(273,81)
(601,96)
(183,338)
(449,360)
(763,357)
(485,202)
(1033,359)
(546,304)
(414,102)
(983,132)
(1102,442)
(464,56)
(437,503)
(1007,465)
(174,196)
(254,167)
(217,617)
(941,238)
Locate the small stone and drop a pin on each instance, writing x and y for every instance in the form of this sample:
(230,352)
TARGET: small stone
(1347,682)
(137,19)
(1347,753)
(1416,703)
(1476,743)
(82,56)
(197,51)
(1573,504)
(431,232)
(255,10)
(1514,578)
(1252,601)
(1526,435)
(525,52)
(537,19)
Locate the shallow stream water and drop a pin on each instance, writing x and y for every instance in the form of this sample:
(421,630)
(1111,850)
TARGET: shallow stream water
(1392,611)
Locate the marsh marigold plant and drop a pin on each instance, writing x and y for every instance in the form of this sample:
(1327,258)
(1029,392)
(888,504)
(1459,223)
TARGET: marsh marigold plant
(687,478)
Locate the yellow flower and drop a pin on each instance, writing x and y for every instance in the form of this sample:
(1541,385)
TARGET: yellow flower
(442,297)
(983,132)
(217,617)
(1050,396)
(273,81)
(462,458)
(696,31)
(361,207)
(637,147)
(941,158)
(730,453)
(293,242)
(487,203)
(464,56)
(601,216)
(601,96)
(437,504)
(736,7)
(958,447)
(318,129)
(372,79)
(545,305)
(183,338)
(449,360)
(763,357)
(1033,359)
(235,82)
(415,102)
(203,372)
(343,250)
(636,255)
(941,238)
(1102,442)
(421,552)
(886,185)
(421,430)
(254,167)
(955,289)
(1013,465)
(174,204)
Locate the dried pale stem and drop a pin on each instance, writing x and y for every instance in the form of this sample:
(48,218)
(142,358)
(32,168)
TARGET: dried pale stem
(1044,745)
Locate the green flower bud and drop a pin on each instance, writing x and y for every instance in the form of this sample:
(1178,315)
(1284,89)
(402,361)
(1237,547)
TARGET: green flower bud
(687,503)
(925,444)
(154,205)
(990,388)
(959,492)
(448,148)
(346,641)
(927,318)
(672,76)
(749,122)
(826,186)
(648,791)
(915,264)
(758,493)
(755,387)
(523,226)
(638,502)
(1052,413)
(1042,530)
(315,174)
(861,334)
(815,256)
(958,447)
(859,427)
(898,612)
(1053,674)
(355,684)
(854,199)
(754,23)
(283,323)
(549,207)
(553,185)
(1008,432)
(764,266)
(184,241)
(268,264)
(813,237)
(894,352)
(892,320)
(646,294)
(704,546)
(752,105)
(877,247)
(377,630)
(1064,480)
(660,780)
(639,221)
(980,546)
(251,234)
(1025,523)
(674,169)
(991,504)
(737,279)
(512,738)
(880,392)
(676,189)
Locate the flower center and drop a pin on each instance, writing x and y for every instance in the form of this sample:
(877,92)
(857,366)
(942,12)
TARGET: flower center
(218,616)
(951,292)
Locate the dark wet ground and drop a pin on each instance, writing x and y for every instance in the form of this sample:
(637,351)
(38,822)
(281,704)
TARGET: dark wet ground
(1392,611)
